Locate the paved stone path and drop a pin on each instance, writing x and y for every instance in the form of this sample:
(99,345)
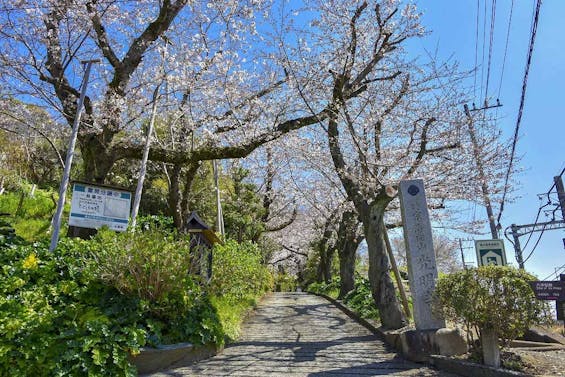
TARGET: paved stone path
(297,334)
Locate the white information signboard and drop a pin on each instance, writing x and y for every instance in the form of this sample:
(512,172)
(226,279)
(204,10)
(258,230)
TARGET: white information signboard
(96,206)
(490,252)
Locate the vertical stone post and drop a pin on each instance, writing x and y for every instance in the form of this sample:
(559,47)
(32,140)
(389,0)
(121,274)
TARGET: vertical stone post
(491,352)
(420,255)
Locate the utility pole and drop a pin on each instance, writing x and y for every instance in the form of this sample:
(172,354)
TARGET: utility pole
(560,193)
(482,176)
(521,230)
(462,254)
(517,247)
(56,224)
(145,157)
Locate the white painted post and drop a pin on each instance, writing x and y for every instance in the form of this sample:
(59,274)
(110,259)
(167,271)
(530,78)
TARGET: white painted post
(422,270)
(219,213)
(143,169)
(56,223)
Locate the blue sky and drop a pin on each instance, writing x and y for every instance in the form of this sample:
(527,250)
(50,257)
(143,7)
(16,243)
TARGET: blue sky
(541,145)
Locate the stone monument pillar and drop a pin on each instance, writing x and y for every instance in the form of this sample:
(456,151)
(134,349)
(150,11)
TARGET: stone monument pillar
(420,255)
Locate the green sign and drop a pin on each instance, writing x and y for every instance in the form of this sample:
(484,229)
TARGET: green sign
(490,253)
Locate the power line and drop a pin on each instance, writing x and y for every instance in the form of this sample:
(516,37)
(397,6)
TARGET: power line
(505,47)
(521,107)
(530,228)
(556,272)
(491,43)
(483,47)
(537,217)
(476,50)
(560,175)
(535,246)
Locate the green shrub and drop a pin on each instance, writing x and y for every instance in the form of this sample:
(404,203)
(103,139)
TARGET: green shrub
(59,314)
(284,282)
(149,264)
(237,271)
(331,289)
(490,297)
(154,266)
(361,301)
(232,313)
(164,223)
(55,321)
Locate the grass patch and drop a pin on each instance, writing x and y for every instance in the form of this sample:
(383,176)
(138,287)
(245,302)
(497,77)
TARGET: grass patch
(232,313)
(31,216)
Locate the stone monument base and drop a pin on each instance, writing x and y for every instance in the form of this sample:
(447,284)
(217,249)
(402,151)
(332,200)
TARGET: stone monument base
(419,345)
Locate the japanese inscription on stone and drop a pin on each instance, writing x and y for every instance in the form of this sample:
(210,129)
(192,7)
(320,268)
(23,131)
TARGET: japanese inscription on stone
(422,270)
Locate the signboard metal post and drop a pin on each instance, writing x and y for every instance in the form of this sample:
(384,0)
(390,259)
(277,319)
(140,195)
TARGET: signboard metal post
(56,224)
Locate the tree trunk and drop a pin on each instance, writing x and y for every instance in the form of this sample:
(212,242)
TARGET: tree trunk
(382,287)
(347,258)
(327,266)
(97,160)
(175,196)
(179,207)
(348,242)
(189,175)
(320,270)
(324,272)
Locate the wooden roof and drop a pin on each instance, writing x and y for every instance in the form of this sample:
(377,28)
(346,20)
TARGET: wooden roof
(194,224)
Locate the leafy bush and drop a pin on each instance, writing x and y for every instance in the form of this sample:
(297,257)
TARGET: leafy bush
(153,266)
(284,282)
(150,264)
(490,297)
(238,272)
(232,313)
(331,289)
(164,223)
(60,316)
(54,321)
(361,301)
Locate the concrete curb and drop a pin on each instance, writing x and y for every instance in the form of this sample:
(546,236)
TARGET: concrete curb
(535,346)
(151,360)
(444,363)
(465,368)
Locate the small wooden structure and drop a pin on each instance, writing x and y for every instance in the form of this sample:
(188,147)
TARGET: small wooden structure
(202,240)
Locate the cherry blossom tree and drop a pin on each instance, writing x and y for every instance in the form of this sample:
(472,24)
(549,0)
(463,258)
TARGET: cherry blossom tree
(391,118)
